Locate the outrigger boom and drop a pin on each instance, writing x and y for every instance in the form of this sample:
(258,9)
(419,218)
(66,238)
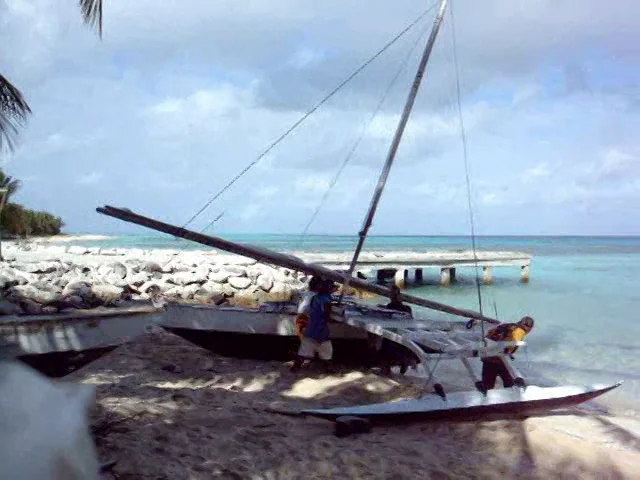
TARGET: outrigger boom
(283,260)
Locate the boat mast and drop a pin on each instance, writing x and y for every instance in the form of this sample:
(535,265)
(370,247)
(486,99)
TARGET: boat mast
(396,141)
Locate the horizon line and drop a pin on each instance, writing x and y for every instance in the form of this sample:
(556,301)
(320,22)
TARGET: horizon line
(381,235)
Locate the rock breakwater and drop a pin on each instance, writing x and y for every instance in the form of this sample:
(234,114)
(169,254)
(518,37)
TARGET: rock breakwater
(41,279)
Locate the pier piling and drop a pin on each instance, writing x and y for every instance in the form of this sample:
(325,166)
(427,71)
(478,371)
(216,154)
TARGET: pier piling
(445,277)
(419,276)
(402,277)
(487,275)
(396,265)
(524,274)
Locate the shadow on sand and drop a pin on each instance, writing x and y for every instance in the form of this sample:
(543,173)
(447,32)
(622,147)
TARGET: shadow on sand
(169,410)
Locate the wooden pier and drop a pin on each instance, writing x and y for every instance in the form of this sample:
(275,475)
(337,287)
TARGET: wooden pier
(397,265)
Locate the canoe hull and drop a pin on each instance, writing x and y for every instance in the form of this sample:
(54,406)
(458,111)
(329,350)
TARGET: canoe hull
(59,364)
(269,335)
(58,344)
(346,351)
(469,405)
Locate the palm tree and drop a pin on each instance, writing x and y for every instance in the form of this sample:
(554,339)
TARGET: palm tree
(11,184)
(14,109)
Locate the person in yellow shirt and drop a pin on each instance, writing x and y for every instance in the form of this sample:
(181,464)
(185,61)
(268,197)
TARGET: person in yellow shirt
(494,367)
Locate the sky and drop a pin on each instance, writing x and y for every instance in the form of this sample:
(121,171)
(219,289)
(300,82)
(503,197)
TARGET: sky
(178,97)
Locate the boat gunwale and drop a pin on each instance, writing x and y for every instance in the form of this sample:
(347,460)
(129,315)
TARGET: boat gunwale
(55,319)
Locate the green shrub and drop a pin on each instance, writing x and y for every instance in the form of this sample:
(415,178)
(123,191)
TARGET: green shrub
(19,221)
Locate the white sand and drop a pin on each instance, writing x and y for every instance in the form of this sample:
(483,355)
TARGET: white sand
(210,418)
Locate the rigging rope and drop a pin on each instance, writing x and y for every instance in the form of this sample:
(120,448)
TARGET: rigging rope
(212,222)
(181,250)
(356,144)
(463,136)
(308,114)
(301,120)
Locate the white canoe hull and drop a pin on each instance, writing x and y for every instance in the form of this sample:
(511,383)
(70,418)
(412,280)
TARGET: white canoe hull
(268,333)
(58,343)
(256,334)
(245,321)
(277,321)
(460,405)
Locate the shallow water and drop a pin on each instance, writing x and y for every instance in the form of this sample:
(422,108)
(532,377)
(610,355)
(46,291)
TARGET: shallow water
(583,293)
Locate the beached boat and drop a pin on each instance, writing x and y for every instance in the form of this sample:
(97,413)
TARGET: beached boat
(429,342)
(265,333)
(57,344)
(268,329)
(268,332)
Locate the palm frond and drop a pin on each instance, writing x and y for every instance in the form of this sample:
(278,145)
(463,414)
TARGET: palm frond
(11,184)
(13,113)
(92,14)
(14,109)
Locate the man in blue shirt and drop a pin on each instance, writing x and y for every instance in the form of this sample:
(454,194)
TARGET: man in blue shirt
(316,334)
(302,319)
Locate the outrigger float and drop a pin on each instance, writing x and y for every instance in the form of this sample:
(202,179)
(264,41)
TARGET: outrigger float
(468,405)
(427,339)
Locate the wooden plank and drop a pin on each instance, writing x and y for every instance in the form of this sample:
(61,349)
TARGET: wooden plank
(288,261)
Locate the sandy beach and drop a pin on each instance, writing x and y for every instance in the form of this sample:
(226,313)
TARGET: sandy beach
(167,409)
(68,238)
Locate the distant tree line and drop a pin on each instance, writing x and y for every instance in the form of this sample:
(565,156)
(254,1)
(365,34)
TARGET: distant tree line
(17,220)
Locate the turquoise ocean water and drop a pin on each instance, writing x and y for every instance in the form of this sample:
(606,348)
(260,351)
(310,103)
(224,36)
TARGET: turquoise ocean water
(583,293)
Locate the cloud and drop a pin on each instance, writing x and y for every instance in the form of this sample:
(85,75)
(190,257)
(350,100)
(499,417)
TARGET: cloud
(440,193)
(57,143)
(250,212)
(312,184)
(170,109)
(540,171)
(203,104)
(90,178)
(266,192)
(614,166)
(306,57)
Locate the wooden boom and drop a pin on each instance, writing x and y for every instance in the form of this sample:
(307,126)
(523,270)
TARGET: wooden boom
(283,260)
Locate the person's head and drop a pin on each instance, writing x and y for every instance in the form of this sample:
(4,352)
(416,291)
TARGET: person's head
(328,287)
(315,284)
(395,292)
(526,323)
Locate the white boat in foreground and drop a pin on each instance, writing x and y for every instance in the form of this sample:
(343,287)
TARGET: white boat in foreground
(57,344)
